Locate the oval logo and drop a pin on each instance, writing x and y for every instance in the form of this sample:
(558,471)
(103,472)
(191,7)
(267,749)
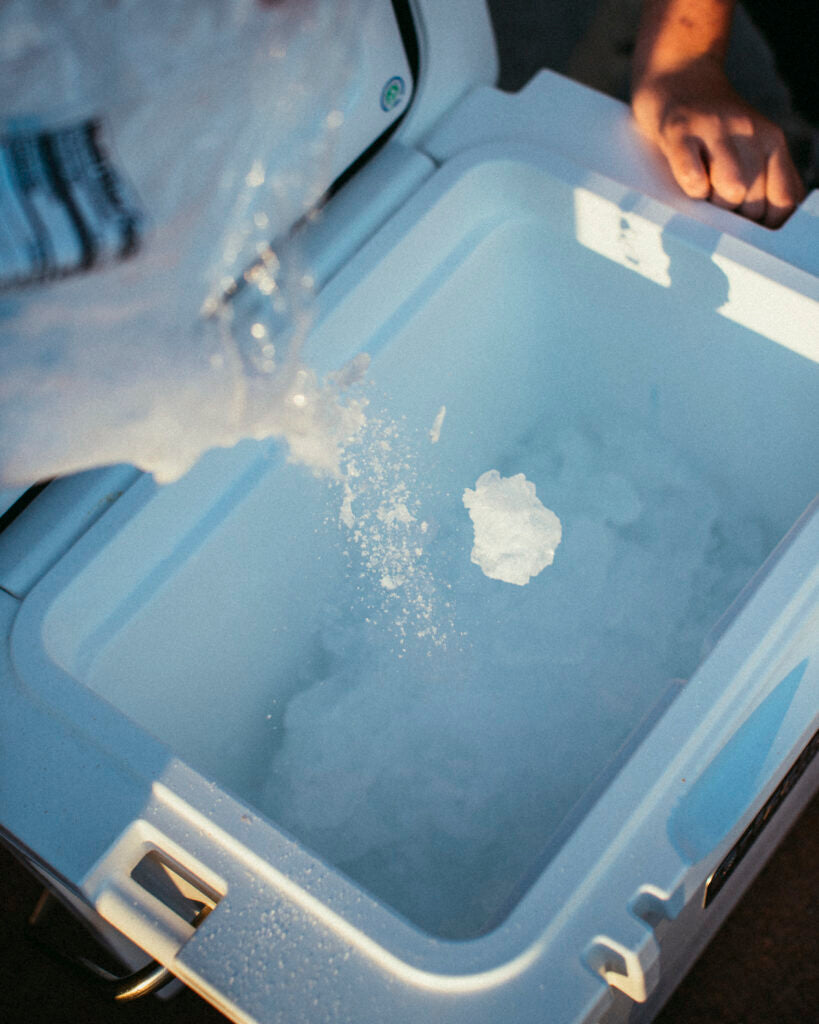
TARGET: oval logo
(392,93)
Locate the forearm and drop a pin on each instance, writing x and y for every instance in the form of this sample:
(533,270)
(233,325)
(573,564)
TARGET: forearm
(673,33)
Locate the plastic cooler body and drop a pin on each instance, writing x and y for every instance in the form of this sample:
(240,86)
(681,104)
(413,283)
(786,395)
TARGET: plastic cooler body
(148,672)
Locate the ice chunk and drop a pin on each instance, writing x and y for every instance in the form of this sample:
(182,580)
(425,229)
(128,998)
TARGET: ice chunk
(435,432)
(515,535)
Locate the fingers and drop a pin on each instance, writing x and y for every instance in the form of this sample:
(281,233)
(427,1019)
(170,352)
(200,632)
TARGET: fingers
(688,165)
(754,206)
(736,169)
(784,188)
(749,171)
(717,146)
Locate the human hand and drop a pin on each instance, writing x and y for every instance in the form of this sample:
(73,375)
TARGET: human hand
(718,146)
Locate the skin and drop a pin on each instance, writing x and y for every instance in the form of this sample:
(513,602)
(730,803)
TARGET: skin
(718,146)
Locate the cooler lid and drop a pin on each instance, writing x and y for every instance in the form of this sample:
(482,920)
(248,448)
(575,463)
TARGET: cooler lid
(385,81)
(417,58)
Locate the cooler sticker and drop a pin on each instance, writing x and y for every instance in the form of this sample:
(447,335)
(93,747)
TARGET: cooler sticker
(63,206)
(392,93)
(730,863)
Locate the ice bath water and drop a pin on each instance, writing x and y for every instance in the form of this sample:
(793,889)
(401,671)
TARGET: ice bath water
(440,779)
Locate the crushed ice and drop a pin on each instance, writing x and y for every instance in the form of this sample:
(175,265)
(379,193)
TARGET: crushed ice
(515,534)
(380,510)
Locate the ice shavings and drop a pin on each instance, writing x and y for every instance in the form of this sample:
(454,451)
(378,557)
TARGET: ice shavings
(515,534)
(319,420)
(380,510)
(435,430)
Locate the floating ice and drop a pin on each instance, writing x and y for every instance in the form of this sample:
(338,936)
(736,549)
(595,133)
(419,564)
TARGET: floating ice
(515,534)
(435,431)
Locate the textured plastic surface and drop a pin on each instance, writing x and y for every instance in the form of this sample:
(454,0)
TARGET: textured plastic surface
(456,53)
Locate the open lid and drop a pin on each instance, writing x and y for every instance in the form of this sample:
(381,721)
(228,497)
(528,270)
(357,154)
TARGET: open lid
(418,58)
(384,83)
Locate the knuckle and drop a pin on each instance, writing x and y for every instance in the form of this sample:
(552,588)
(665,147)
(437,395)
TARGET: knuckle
(720,128)
(780,193)
(692,179)
(694,185)
(732,191)
(745,126)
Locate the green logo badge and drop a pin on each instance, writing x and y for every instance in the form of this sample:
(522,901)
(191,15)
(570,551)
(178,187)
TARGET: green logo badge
(392,93)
